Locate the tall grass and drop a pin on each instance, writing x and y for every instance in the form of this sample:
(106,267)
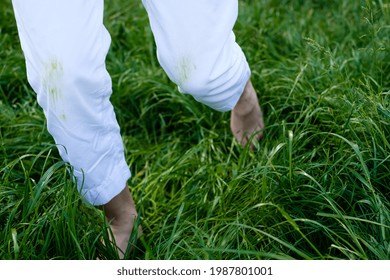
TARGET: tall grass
(317,187)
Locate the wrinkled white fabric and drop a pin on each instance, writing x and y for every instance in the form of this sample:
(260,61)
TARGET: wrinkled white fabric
(197,49)
(65,45)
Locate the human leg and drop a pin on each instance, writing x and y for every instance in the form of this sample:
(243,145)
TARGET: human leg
(197,49)
(122,216)
(247,118)
(65,46)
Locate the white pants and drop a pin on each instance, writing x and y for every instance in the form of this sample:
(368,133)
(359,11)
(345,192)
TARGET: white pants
(65,45)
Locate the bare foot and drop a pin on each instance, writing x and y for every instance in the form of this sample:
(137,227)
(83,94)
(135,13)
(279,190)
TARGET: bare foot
(247,118)
(122,214)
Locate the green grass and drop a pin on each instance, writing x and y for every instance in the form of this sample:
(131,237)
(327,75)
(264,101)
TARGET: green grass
(317,187)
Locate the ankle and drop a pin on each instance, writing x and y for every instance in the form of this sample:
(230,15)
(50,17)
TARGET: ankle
(247,103)
(121,209)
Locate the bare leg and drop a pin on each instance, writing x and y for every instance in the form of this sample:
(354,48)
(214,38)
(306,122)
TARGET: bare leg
(246,117)
(121,214)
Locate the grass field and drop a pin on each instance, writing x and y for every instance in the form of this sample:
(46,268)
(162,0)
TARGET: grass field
(317,187)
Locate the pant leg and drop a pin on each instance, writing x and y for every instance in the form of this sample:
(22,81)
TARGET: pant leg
(65,45)
(197,49)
